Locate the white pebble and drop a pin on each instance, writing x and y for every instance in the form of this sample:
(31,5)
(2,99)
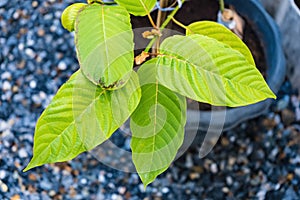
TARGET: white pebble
(62,66)
(29,52)
(2,174)
(22,153)
(214,168)
(16,15)
(30,42)
(43,95)
(32,84)
(101,177)
(225,189)
(21,46)
(83,181)
(122,190)
(4,187)
(6,75)
(52,193)
(3,125)
(229,180)
(6,86)
(165,190)
(116,197)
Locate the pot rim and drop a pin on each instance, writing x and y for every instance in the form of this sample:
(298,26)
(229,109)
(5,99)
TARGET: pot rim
(295,7)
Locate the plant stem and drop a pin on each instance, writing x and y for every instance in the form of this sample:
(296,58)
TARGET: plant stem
(179,24)
(170,16)
(221,2)
(166,22)
(160,17)
(151,21)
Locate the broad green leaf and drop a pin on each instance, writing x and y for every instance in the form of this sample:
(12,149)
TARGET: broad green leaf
(222,34)
(80,117)
(104,43)
(69,15)
(157,127)
(137,7)
(209,71)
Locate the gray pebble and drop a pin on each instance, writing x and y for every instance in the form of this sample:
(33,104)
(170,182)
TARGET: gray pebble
(3,2)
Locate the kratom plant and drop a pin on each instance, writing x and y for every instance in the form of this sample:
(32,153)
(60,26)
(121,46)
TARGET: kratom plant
(208,64)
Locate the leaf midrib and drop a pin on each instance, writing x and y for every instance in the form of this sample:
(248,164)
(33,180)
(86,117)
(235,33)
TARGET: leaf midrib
(144,6)
(105,38)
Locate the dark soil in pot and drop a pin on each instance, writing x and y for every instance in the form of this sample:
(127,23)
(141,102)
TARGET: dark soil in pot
(297,3)
(197,10)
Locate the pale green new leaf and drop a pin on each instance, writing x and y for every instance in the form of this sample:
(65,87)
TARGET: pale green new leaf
(209,71)
(80,117)
(222,34)
(157,127)
(69,15)
(137,7)
(104,44)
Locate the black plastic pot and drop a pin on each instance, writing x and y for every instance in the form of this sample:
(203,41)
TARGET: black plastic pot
(267,30)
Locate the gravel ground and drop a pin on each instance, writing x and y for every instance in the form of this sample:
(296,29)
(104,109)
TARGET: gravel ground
(260,159)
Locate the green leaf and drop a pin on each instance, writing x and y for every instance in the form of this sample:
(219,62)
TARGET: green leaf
(104,43)
(209,71)
(137,7)
(69,15)
(80,117)
(222,34)
(157,127)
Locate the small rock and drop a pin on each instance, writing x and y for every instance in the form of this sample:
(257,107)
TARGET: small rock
(214,168)
(229,180)
(283,103)
(41,32)
(297,171)
(2,174)
(3,2)
(225,189)
(52,193)
(32,84)
(36,99)
(35,4)
(29,52)
(6,86)
(45,185)
(62,66)
(261,194)
(194,175)
(3,187)
(287,116)
(32,177)
(122,190)
(15,197)
(165,190)
(189,161)
(23,153)
(83,181)
(6,75)
(116,197)
(290,194)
